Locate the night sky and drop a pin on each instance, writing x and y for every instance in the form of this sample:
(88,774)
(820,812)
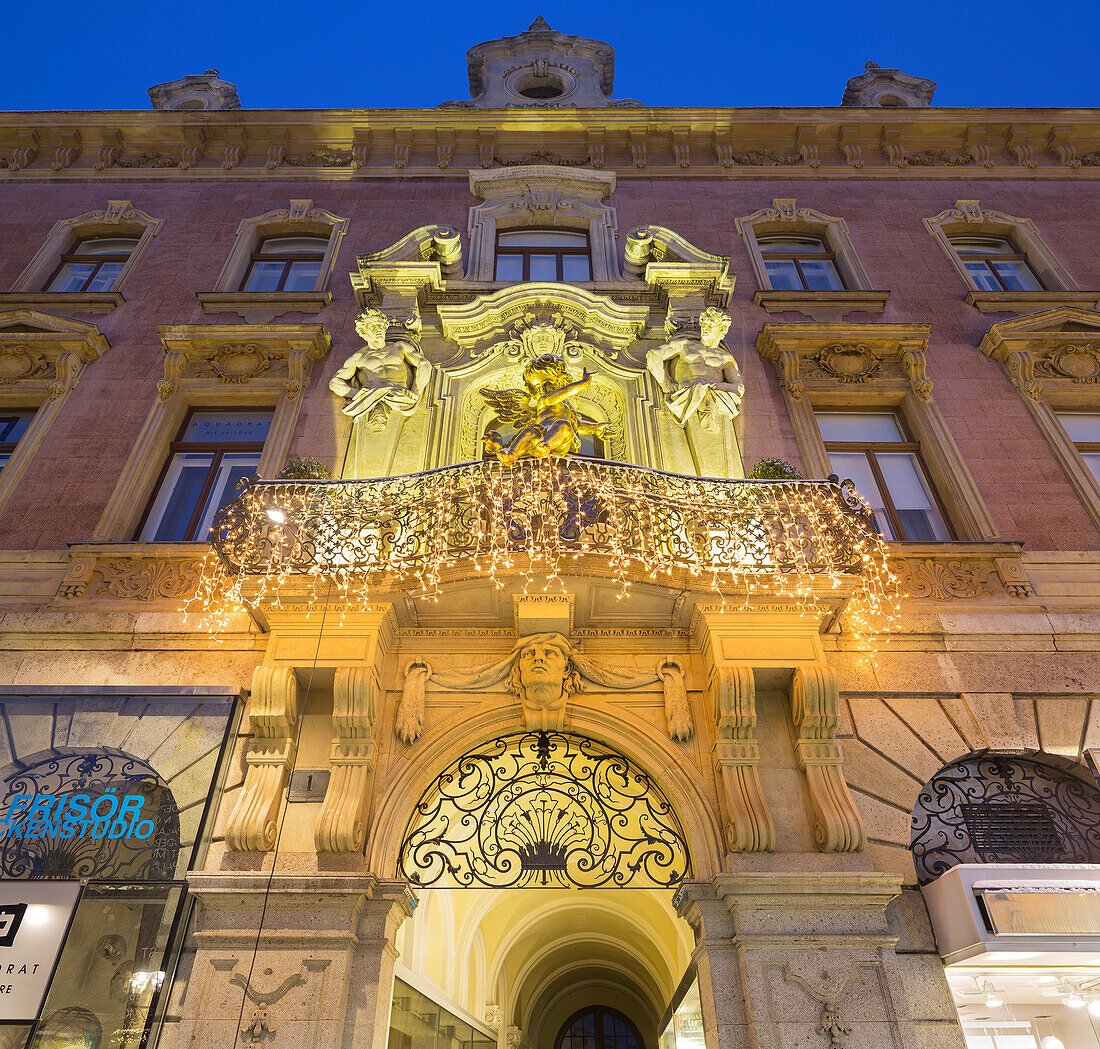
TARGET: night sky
(75,54)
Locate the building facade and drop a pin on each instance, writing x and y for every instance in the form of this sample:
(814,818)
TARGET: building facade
(532,697)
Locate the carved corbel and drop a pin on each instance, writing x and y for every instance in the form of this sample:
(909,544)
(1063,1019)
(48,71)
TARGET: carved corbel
(677,708)
(444,147)
(26,153)
(409,722)
(1021,369)
(723,147)
(976,143)
(1022,151)
(806,143)
(110,152)
(815,711)
(1063,149)
(174,363)
(402,146)
(65,155)
(234,149)
(276,153)
(853,152)
(341,826)
(273,714)
(681,146)
(360,147)
(736,757)
(195,148)
(914,364)
(595,147)
(486,145)
(637,146)
(788,364)
(892,149)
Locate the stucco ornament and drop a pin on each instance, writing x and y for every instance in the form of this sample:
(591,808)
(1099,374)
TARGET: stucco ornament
(544,672)
(385,376)
(545,422)
(698,374)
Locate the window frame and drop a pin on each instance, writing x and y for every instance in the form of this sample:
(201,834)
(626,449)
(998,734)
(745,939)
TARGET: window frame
(98,258)
(599,1011)
(9,448)
(558,251)
(869,449)
(179,446)
(986,257)
(287,258)
(825,254)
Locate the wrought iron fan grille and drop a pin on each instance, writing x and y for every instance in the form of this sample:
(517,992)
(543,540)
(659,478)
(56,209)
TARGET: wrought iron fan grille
(995,808)
(544,809)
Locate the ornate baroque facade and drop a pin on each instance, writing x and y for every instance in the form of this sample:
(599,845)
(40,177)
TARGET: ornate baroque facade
(538,713)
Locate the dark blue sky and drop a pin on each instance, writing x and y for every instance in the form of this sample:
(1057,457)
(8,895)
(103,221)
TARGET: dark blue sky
(72,54)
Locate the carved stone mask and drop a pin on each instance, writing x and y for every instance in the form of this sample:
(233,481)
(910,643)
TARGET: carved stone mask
(543,668)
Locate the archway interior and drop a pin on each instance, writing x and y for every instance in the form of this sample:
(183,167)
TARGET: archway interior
(520,962)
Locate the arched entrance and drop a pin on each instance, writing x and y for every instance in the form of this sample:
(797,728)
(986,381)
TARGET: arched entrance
(546,863)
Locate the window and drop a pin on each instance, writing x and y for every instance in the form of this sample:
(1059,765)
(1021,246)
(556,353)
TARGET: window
(599,1028)
(799,264)
(13,424)
(1083,429)
(213,452)
(874,451)
(994,264)
(93,264)
(285,264)
(543,254)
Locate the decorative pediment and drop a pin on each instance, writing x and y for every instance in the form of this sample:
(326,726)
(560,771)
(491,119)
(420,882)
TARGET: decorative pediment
(542,187)
(667,261)
(237,354)
(1059,346)
(824,355)
(521,317)
(423,257)
(43,353)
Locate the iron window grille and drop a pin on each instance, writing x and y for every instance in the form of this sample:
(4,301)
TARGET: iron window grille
(543,255)
(93,265)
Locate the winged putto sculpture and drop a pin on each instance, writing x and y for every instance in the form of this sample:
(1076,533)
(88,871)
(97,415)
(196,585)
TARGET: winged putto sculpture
(544,420)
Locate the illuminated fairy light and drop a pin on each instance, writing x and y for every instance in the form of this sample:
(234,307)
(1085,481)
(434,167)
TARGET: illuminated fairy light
(749,542)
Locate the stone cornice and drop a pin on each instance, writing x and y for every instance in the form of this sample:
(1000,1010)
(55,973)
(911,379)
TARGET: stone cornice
(924,143)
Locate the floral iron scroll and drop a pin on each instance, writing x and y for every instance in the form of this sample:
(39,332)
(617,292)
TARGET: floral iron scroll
(544,809)
(999,808)
(104,773)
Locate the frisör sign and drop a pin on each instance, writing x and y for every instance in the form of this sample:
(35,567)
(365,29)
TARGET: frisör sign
(34,918)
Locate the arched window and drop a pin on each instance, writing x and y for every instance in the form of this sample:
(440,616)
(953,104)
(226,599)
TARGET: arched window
(93,264)
(1000,808)
(800,263)
(598,1027)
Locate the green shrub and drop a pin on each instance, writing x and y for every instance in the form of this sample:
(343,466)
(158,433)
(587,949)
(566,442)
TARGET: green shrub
(304,468)
(773,469)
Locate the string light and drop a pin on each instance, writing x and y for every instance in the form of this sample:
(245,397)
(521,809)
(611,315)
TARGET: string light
(808,543)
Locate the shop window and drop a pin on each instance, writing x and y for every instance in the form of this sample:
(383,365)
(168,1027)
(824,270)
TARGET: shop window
(285,264)
(418,1022)
(1083,429)
(93,264)
(598,1028)
(543,255)
(212,453)
(800,264)
(13,424)
(874,451)
(994,264)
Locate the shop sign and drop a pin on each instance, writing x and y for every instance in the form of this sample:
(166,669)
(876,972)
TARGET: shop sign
(34,918)
(75,815)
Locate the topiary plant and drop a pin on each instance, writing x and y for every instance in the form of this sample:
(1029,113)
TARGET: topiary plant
(304,468)
(773,469)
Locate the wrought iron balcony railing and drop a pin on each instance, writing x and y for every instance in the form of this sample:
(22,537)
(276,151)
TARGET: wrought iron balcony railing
(538,516)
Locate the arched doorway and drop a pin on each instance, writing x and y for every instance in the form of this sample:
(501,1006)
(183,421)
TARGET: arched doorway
(598,1027)
(546,863)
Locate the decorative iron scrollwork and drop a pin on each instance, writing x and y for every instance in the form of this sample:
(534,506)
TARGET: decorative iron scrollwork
(96,773)
(542,809)
(997,808)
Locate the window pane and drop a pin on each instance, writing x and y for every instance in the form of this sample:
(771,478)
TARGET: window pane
(983,276)
(105,277)
(821,275)
(509,267)
(178,496)
(14,424)
(294,245)
(911,497)
(784,275)
(575,267)
(72,276)
(982,246)
(544,267)
(302,276)
(1082,427)
(1017,276)
(542,238)
(853,466)
(792,245)
(264,276)
(226,426)
(1092,461)
(859,426)
(231,470)
(106,246)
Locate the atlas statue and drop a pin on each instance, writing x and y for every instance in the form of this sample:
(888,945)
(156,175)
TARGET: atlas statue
(545,421)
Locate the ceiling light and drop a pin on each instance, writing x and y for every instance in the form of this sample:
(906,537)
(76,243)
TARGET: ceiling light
(1052,1041)
(993,999)
(1074,1000)
(1094,1006)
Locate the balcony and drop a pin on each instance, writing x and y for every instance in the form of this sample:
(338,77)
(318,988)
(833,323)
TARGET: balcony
(542,519)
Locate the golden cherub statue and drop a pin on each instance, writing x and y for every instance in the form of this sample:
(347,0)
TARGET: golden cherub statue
(546,423)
